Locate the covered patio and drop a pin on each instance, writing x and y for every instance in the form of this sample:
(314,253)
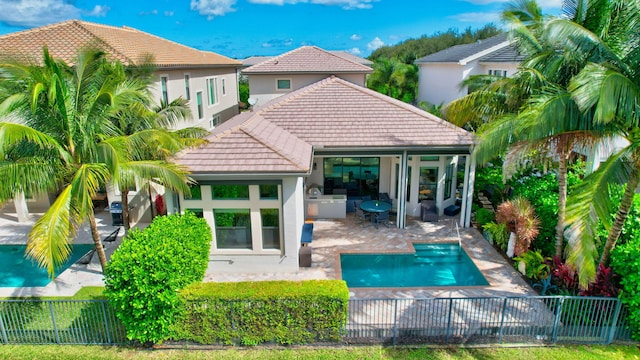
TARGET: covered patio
(335,236)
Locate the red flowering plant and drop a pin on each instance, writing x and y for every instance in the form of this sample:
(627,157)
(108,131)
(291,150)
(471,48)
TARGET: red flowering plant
(565,276)
(605,284)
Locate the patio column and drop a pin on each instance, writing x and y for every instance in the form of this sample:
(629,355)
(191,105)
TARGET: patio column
(402,192)
(467,191)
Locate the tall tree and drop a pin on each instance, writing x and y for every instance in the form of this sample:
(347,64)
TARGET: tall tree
(394,78)
(57,136)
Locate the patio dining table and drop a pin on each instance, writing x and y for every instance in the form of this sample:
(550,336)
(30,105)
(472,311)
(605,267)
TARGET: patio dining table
(376,207)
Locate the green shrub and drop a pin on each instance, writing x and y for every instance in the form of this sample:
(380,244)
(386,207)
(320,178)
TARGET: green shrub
(625,261)
(146,272)
(489,180)
(484,216)
(251,313)
(536,266)
(499,234)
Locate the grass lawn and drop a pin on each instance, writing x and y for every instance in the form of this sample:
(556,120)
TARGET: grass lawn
(368,352)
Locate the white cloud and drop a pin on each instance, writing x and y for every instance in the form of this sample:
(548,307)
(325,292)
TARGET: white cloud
(28,13)
(278,43)
(477,17)
(213,8)
(544,4)
(375,43)
(355,37)
(345,4)
(355,51)
(168,13)
(99,11)
(152,12)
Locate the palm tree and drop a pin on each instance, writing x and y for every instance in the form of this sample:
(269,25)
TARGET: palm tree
(609,87)
(394,78)
(57,136)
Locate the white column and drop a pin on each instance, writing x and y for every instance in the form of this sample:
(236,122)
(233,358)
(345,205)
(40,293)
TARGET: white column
(467,192)
(402,192)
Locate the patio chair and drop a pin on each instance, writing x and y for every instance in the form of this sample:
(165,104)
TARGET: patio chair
(86,258)
(111,237)
(382,218)
(361,216)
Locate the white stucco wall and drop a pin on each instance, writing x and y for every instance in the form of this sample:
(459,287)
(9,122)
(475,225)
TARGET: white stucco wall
(510,67)
(226,108)
(263,87)
(440,83)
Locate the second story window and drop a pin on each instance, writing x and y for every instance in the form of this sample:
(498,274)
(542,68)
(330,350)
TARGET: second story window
(212,89)
(199,103)
(283,84)
(502,73)
(165,93)
(187,87)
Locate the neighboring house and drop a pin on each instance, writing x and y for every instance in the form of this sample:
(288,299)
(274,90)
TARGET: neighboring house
(441,73)
(258,174)
(208,80)
(275,76)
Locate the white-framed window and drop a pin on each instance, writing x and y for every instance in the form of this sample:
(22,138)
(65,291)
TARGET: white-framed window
(187,86)
(494,72)
(283,84)
(212,90)
(244,217)
(164,86)
(215,121)
(224,86)
(200,105)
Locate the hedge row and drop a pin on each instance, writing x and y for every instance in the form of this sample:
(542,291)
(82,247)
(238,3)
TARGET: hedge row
(146,272)
(251,313)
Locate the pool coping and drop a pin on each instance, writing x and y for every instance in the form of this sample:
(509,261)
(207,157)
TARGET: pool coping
(338,266)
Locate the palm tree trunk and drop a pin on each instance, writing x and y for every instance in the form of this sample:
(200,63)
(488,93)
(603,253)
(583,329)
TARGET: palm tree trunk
(562,202)
(621,217)
(97,242)
(124,196)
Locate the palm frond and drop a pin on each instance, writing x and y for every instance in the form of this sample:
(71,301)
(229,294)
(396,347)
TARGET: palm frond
(172,176)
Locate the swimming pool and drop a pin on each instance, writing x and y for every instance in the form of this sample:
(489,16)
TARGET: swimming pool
(431,265)
(18,271)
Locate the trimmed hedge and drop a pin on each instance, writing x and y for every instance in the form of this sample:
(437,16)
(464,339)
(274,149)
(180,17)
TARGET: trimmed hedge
(146,272)
(251,313)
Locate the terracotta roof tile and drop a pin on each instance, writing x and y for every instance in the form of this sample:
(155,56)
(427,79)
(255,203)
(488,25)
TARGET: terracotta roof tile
(125,44)
(332,113)
(308,59)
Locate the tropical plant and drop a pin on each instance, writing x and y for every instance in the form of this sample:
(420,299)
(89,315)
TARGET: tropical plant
(625,261)
(498,233)
(394,78)
(58,137)
(536,266)
(609,88)
(519,217)
(565,276)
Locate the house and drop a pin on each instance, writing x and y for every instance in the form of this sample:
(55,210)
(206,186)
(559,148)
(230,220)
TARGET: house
(259,174)
(441,73)
(275,76)
(206,79)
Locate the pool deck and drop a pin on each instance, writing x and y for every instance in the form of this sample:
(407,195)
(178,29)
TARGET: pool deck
(330,238)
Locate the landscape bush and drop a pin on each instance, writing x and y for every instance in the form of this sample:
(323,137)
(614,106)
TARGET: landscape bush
(252,313)
(625,261)
(146,272)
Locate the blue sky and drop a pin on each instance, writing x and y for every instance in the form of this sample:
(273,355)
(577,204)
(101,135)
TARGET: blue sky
(241,28)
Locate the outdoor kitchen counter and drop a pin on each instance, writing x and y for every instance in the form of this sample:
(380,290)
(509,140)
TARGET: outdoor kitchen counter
(326,206)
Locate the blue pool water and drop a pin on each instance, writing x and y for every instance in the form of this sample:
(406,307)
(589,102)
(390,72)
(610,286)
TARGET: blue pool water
(430,265)
(18,271)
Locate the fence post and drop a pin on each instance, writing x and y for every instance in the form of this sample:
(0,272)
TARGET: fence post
(5,339)
(53,320)
(614,322)
(395,321)
(556,322)
(449,320)
(504,310)
(106,321)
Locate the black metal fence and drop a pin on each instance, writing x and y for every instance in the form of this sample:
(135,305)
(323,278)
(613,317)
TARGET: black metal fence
(519,320)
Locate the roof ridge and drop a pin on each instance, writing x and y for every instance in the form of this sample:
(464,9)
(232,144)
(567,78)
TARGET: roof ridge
(36,29)
(279,56)
(256,136)
(82,25)
(343,58)
(286,98)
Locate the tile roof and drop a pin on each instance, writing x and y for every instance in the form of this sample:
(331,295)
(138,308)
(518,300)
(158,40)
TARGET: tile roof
(332,113)
(308,59)
(128,45)
(506,54)
(460,52)
(253,60)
